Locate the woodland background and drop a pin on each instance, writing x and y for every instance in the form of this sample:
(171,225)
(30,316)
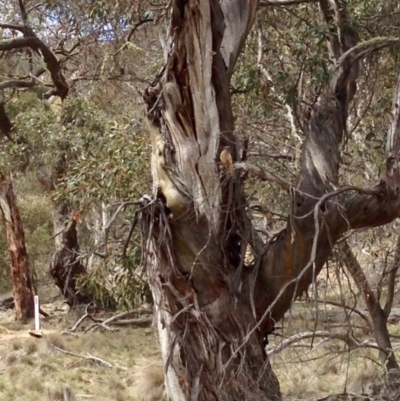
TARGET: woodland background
(93,156)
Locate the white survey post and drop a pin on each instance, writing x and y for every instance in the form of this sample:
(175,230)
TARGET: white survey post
(37,316)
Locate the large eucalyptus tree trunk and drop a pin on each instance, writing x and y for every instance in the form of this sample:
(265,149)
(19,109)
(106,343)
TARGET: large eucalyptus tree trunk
(215,312)
(20,275)
(198,228)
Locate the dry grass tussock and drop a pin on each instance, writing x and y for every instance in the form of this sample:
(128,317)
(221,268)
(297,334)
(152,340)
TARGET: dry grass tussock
(305,373)
(31,369)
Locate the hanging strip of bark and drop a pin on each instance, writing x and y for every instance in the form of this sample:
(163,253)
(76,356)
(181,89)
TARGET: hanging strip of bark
(22,286)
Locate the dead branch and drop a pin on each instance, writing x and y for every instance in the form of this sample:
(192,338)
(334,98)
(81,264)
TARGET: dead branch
(87,315)
(117,320)
(14,83)
(141,323)
(67,395)
(351,342)
(351,309)
(89,357)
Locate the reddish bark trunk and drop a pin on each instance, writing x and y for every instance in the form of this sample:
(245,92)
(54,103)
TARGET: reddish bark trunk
(22,286)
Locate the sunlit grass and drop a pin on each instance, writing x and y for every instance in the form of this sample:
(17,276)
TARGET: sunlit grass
(32,360)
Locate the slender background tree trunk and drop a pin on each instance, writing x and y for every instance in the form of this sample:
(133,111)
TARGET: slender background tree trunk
(20,275)
(376,312)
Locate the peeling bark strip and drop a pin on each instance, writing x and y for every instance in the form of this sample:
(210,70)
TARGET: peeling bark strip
(22,287)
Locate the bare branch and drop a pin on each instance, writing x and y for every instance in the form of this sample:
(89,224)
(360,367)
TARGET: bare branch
(361,49)
(8,25)
(351,309)
(117,320)
(32,41)
(88,357)
(350,341)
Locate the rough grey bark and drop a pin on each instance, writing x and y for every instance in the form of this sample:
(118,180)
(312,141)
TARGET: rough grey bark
(214,312)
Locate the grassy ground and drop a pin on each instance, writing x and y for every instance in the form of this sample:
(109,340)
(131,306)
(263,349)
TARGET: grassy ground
(325,369)
(32,369)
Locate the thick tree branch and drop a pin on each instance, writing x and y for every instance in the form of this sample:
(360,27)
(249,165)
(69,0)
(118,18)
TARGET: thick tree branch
(24,14)
(8,25)
(31,40)
(19,43)
(312,224)
(329,17)
(15,83)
